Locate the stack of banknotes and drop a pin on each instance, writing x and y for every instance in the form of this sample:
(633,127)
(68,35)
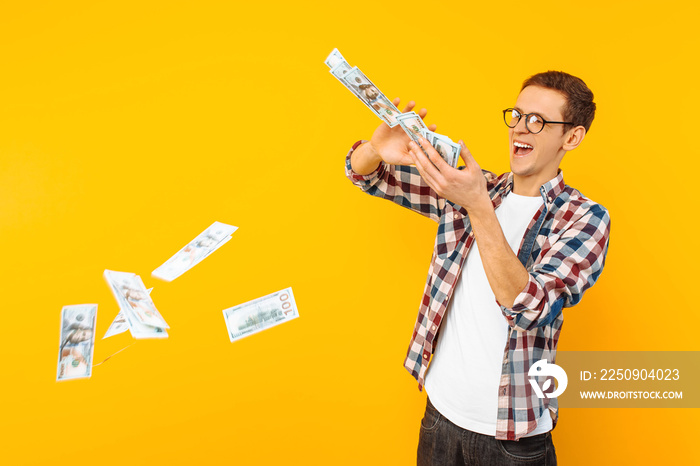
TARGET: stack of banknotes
(139,315)
(137,312)
(360,85)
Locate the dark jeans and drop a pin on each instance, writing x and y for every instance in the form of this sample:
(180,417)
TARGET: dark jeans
(442,443)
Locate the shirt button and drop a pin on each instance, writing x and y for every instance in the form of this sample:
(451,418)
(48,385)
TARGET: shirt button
(471,234)
(426,355)
(434,327)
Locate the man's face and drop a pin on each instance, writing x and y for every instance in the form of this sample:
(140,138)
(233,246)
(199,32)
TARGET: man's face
(542,161)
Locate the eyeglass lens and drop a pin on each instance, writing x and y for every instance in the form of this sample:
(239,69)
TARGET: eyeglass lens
(534,122)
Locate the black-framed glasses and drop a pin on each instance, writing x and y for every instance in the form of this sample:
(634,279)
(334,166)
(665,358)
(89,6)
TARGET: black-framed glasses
(533,122)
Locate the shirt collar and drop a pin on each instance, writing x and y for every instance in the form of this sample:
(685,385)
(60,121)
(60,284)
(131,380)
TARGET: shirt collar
(553,188)
(550,190)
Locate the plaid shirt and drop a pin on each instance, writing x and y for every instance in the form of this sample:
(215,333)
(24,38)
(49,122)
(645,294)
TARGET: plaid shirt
(563,250)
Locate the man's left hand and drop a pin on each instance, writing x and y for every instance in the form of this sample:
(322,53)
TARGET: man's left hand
(466,187)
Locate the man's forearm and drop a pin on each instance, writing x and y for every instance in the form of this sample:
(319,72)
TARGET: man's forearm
(364,160)
(505,273)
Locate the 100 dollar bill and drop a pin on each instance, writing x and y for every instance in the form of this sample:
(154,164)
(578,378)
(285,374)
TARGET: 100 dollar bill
(134,299)
(260,314)
(77,341)
(196,251)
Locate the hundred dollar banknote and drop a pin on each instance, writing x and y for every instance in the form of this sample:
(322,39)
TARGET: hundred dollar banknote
(120,324)
(133,298)
(260,314)
(126,321)
(77,341)
(196,250)
(334,59)
(444,146)
(412,124)
(364,89)
(139,330)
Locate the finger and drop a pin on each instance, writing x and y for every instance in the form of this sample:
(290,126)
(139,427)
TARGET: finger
(423,165)
(432,127)
(396,102)
(466,155)
(426,161)
(409,106)
(422,113)
(436,158)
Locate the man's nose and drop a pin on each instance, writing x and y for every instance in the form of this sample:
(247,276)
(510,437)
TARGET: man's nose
(521,127)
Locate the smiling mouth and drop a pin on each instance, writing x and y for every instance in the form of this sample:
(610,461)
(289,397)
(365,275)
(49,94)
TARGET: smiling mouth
(521,149)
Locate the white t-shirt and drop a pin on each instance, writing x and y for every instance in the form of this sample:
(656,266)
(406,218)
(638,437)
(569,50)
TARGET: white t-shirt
(464,375)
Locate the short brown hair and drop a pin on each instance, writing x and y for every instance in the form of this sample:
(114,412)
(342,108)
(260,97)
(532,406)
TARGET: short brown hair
(579,107)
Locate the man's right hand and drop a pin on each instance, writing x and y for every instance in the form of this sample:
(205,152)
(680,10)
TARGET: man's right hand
(387,144)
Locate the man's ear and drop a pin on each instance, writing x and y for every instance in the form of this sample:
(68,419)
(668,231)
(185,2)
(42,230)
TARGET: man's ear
(574,137)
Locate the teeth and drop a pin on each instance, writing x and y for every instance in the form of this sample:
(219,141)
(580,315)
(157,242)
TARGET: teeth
(524,146)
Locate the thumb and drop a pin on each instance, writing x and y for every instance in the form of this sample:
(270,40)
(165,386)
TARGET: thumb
(464,153)
(467,157)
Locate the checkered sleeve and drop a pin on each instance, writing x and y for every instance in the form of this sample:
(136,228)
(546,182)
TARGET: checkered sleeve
(570,264)
(401,184)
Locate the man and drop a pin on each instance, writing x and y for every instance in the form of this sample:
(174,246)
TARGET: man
(511,252)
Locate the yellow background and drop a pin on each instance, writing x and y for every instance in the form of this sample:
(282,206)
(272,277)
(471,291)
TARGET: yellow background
(128,127)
